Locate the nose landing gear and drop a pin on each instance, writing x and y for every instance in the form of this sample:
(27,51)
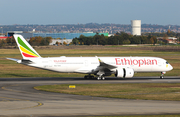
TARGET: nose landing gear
(162,75)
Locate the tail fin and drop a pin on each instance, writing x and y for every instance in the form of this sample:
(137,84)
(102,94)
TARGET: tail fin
(25,48)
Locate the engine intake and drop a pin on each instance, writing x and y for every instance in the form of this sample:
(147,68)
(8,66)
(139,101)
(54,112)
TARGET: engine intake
(124,73)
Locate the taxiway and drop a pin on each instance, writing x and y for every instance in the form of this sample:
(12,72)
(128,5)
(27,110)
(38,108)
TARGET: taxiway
(18,98)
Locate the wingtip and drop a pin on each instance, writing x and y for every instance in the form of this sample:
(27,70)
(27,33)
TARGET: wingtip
(99,60)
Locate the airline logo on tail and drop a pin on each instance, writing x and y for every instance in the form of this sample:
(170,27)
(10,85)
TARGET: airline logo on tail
(26,51)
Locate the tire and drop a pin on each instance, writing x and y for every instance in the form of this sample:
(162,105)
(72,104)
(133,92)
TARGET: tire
(103,78)
(98,78)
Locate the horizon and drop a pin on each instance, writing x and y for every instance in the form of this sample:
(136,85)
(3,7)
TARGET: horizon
(87,23)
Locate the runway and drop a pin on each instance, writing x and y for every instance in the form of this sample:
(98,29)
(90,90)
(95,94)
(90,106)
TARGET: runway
(18,98)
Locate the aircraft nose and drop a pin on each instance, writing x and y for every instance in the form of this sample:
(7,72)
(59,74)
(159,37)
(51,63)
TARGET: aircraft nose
(170,67)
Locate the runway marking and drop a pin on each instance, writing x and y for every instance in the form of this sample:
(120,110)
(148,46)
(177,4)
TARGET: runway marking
(14,99)
(38,105)
(4,88)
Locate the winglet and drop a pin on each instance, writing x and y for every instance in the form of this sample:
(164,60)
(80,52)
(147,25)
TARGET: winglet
(103,64)
(99,60)
(25,48)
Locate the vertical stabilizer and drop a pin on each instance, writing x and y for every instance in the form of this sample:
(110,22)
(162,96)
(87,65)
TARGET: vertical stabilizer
(25,48)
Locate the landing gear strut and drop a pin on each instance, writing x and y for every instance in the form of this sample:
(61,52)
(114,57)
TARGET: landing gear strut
(162,75)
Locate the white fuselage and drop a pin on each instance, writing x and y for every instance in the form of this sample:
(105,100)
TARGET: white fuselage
(89,64)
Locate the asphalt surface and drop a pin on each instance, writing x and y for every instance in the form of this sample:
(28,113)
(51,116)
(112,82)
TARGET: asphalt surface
(19,98)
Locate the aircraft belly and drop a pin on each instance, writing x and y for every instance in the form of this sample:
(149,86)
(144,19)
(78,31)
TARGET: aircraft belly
(142,68)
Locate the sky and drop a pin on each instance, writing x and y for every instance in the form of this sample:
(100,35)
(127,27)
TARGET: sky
(44,12)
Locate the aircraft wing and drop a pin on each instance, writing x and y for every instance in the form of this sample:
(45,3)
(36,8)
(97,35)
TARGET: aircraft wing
(104,65)
(102,68)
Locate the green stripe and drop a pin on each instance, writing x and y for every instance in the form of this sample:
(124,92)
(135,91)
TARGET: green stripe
(25,46)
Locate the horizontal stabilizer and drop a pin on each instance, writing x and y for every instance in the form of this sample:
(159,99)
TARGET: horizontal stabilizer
(13,59)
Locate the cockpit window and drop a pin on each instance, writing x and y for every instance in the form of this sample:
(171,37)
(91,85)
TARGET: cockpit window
(167,62)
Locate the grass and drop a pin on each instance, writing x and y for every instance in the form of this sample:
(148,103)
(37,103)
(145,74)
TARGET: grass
(144,91)
(12,69)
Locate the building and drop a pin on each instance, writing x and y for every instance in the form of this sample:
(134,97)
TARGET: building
(3,37)
(24,34)
(66,35)
(172,40)
(68,41)
(53,35)
(136,27)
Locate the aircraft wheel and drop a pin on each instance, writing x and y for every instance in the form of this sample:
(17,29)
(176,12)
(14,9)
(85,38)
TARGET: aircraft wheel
(103,78)
(161,77)
(98,78)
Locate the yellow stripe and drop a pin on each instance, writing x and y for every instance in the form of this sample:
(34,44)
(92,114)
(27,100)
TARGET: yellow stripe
(26,51)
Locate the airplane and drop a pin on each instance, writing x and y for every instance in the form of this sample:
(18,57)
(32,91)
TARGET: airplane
(121,67)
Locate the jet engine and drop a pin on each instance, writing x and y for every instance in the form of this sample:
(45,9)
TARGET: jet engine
(124,73)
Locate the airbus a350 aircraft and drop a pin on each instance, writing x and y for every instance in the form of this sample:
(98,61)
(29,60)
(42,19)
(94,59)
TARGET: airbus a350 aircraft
(122,67)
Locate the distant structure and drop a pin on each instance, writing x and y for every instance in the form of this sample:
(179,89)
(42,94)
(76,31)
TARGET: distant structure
(172,40)
(28,35)
(66,35)
(57,37)
(24,34)
(136,27)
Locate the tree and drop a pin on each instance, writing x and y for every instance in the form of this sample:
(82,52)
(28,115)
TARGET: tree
(126,41)
(2,43)
(40,41)
(155,40)
(64,43)
(165,39)
(75,41)
(57,43)
(152,40)
(46,41)
(35,41)
(135,40)
(168,32)
(11,41)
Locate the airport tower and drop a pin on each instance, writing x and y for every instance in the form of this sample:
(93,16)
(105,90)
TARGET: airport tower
(136,27)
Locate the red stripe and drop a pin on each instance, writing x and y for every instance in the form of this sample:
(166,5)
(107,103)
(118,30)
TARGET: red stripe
(27,55)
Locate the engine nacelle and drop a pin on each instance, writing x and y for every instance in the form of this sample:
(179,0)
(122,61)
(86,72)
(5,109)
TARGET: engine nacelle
(124,73)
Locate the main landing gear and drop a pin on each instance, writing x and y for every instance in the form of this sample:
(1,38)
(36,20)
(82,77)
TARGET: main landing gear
(88,77)
(162,75)
(101,77)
